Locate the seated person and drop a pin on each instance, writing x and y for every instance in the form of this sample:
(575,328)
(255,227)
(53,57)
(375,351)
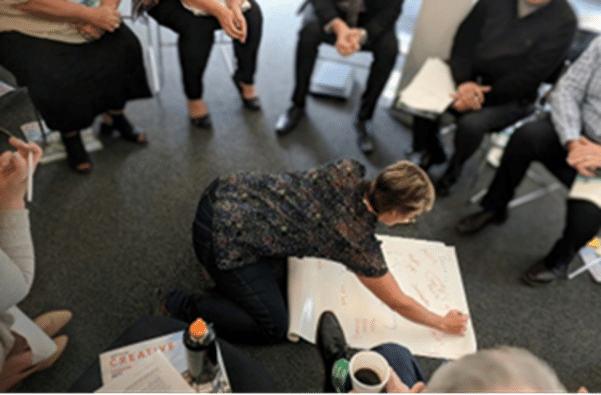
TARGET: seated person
(352,26)
(505,369)
(196,21)
(246,221)
(501,53)
(568,143)
(77,62)
(17,270)
(244,373)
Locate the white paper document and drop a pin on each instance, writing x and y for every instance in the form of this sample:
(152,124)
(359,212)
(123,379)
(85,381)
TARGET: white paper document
(430,89)
(114,363)
(586,188)
(152,375)
(40,343)
(425,270)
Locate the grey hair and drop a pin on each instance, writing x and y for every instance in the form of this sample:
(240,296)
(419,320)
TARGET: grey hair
(504,369)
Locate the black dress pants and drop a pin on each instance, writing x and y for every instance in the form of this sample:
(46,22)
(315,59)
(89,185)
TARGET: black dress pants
(245,374)
(384,49)
(538,141)
(196,38)
(472,126)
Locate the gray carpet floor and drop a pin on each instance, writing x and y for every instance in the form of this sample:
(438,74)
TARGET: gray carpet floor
(104,241)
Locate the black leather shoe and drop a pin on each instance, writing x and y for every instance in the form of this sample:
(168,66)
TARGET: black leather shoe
(288,121)
(364,139)
(332,345)
(540,274)
(425,159)
(474,223)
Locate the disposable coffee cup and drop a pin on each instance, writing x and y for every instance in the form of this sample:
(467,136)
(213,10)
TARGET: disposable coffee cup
(369,371)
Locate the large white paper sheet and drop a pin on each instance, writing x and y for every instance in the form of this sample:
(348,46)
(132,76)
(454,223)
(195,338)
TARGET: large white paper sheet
(427,271)
(431,88)
(41,344)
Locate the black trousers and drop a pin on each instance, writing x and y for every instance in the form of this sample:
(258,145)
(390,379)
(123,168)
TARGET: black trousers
(471,128)
(538,141)
(245,374)
(384,49)
(196,38)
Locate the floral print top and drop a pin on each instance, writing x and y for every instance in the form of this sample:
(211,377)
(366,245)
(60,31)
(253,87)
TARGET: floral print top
(318,213)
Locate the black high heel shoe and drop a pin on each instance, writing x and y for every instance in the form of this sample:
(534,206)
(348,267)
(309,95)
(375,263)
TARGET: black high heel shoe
(203,122)
(77,156)
(125,129)
(252,103)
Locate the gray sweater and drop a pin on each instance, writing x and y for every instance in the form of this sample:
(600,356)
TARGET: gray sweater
(16,270)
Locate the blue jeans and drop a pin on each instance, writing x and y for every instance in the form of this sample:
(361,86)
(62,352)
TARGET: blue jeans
(252,309)
(401,360)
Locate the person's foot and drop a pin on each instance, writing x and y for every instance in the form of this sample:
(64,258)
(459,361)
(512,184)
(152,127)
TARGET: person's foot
(52,322)
(199,114)
(332,345)
(77,156)
(127,131)
(289,120)
(365,139)
(540,274)
(248,95)
(425,159)
(474,223)
(448,180)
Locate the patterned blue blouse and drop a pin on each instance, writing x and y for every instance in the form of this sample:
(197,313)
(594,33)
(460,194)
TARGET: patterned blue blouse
(318,213)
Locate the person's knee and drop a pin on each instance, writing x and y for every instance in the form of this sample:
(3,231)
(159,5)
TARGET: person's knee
(277,331)
(393,351)
(386,49)
(310,34)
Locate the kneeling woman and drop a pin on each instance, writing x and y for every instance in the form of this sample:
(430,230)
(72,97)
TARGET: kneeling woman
(246,220)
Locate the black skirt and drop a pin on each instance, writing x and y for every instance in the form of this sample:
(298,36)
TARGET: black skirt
(71,84)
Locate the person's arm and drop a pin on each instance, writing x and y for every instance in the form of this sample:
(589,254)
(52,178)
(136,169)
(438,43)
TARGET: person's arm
(228,18)
(462,50)
(387,290)
(103,17)
(16,247)
(567,97)
(384,20)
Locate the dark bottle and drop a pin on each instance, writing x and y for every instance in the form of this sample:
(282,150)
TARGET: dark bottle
(201,351)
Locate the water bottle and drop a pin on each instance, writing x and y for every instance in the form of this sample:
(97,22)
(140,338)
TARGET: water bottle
(201,351)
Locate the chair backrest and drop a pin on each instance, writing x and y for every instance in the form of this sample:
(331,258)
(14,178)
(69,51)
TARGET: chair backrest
(433,34)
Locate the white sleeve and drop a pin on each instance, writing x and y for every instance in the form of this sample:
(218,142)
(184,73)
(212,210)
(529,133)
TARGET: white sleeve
(16,257)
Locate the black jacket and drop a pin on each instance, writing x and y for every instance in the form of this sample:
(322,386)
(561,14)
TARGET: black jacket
(494,47)
(380,15)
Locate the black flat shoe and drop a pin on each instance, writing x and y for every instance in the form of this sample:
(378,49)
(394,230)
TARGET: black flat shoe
(77,156)
(126,130)
(203,122)
(474,223)
(540,274)
(365,139)
(252,103)
(289,120)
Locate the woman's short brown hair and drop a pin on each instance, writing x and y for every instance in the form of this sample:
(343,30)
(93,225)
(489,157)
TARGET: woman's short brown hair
(402,187)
